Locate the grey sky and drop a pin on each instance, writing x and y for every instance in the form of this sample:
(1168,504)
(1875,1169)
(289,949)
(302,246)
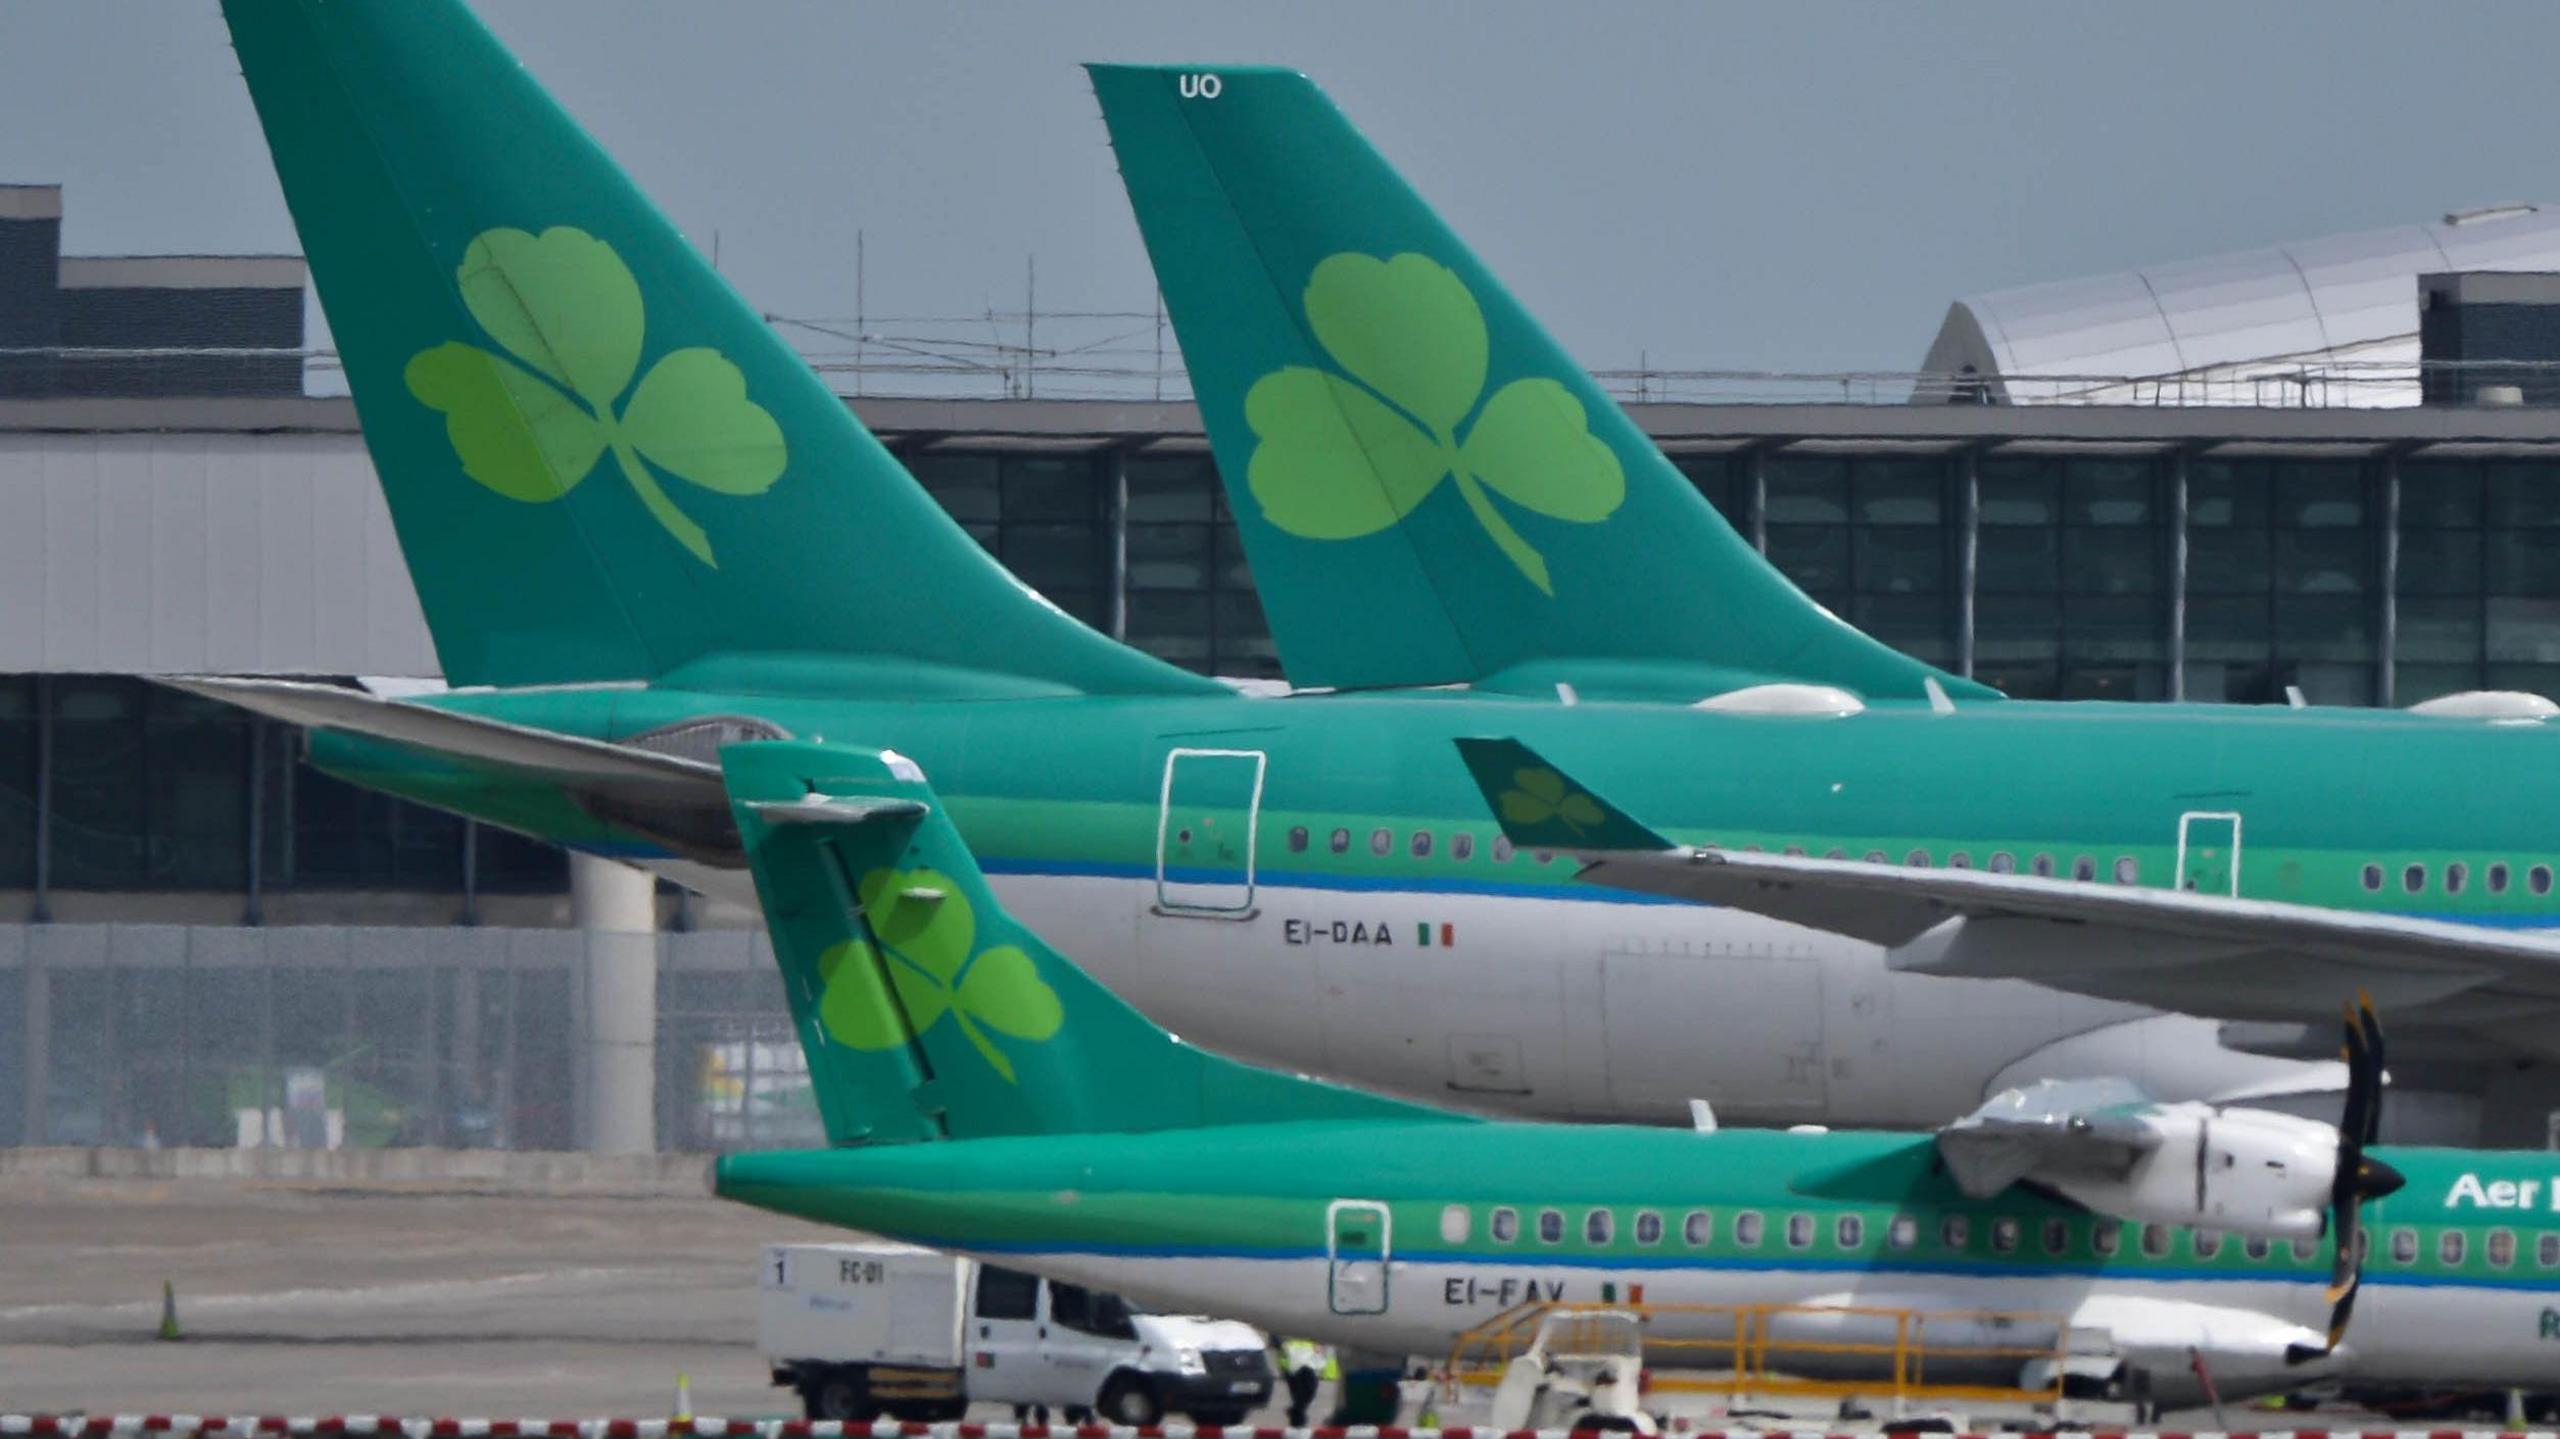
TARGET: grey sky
(1797,186)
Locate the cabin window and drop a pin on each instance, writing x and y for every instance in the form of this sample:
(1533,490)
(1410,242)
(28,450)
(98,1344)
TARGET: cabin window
(2155,1240)
(1698,1228)
(2106,1236)
(1420,844)
(1794,851)
(2084,869)
(1799,1231)
(1462,846)
(1382,841)
(1598,1226)
(2128,869)
(2042,866)
(2207,1243)
(2456,875)
(1903,1232)
(1007,1293)
(2004,1236)
(2256,1248)
(1544,856)
(1959,860)
(2546,1251)
(2057,1235)
(1648,1227)
(2498,878)
(2373,878)
(1875,856)
(2538,879)
(1849,1232)
(1505,1225)
(1835,852)
(1955,1231)
(2414,878)
(2449,1246)
(2404,1246)
(1917,859)
(2003,862)
(1551,1226)
(1502,849)
(2502,1248)
(1297,839)
(1747,1228)
(1340,842)
(2306,1250)
(1456,1222)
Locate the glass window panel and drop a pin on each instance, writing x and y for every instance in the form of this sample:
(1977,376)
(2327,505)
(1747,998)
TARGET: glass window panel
(2015,628)
(1901,559)
(2108,492)
(2411,683)
(1917,625)
(2535,679)
(2523,495)
(1054,557)
(2328,683)
(1171,625)
(2018,492)
(510,863)
(2017,560)
(1233,570)
(2228,627)
(2524,630)
(1814,556)
(1171,487)
(345,836)
(2522,562)
(2323,562)
(196,763)
(2115,627)
(2115,682)
(965,485)
(1169,556)
(2331,627)
(1806,489)
(17,788)
(2313,494)
(1713,475)
(2018,681)
(2227,562)
(2440,494)
(1051,487)
(2112,561)
(2224,494)
(2440,562)
(2440,629)
(1900,492)
(99,835)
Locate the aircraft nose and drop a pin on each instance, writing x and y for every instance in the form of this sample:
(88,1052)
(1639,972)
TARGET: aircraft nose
(2377,1180)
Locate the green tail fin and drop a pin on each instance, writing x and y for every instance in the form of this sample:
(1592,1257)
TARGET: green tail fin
(926,1011)
(1399,438)
(602,464)
(1541,807)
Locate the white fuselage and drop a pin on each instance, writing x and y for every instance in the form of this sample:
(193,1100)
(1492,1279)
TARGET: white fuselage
(1612,1007)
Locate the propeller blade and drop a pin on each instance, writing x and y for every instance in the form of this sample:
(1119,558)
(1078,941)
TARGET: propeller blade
(2360,1177)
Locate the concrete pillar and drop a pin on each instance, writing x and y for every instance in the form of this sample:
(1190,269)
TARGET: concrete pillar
(616,906)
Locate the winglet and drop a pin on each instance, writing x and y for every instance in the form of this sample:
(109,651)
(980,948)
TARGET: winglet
(1541,807)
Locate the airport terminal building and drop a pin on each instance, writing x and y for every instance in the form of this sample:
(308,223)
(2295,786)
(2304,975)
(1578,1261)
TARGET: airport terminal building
(203,941)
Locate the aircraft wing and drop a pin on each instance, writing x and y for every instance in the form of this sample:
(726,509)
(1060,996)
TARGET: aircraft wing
(2048,1130)
(2281,969)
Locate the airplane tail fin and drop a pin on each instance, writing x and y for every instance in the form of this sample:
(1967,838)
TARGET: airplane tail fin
(1400,438)
(927,1011)
(1539,806)
(601,462)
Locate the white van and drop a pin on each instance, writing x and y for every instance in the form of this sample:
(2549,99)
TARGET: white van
(866,1329)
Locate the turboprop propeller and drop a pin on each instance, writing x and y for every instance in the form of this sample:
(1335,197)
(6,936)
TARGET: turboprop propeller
(2359,1176)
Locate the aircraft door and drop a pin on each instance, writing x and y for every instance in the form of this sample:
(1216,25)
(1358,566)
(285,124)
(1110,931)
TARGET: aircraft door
(1211,801)
(2209,851)
(1356,1249)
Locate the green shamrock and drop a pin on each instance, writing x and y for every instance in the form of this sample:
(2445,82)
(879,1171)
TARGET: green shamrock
(565,305)
(926,928)
(1340,457)
(1541,794)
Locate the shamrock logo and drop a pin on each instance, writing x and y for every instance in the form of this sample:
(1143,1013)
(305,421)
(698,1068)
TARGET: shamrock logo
(567,310)
(1540,794)
(1339,456)
(929,934)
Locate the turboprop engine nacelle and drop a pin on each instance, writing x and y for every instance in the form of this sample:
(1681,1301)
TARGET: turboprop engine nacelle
(2250,1171)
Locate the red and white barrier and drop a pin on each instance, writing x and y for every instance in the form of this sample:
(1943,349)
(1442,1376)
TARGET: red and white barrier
(385,1426)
